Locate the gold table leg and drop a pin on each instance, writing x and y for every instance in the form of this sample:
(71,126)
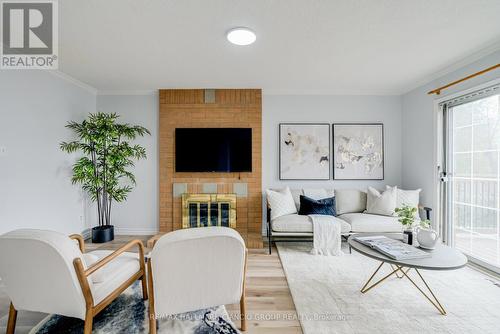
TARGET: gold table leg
(397,274)
(365,288)
(404,273)
(434,301)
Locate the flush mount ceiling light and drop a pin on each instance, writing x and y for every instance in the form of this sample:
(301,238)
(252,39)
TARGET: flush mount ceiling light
(241,36)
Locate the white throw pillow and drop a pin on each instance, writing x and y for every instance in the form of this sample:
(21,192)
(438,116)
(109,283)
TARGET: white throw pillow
(89,260)
(381,203)
(408,197)
(281,202)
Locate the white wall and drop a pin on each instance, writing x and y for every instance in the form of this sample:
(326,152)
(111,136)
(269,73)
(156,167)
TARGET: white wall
(420,131)
(139,214)
(35,185)
(331,109)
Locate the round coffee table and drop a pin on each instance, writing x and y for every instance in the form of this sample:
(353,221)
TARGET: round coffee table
(443,258)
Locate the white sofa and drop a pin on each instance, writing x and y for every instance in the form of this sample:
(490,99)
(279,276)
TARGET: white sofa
(350,206)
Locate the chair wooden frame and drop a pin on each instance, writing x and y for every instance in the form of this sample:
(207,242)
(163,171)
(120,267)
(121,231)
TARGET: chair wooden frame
(152,313)
(83,274)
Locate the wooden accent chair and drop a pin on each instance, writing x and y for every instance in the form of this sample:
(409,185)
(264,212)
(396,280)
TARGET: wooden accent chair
(196,268)
(45,271)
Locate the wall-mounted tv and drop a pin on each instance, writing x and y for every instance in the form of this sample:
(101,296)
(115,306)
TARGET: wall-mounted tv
(213,150)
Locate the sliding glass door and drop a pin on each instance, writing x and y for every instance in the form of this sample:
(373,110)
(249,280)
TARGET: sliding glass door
(473,175)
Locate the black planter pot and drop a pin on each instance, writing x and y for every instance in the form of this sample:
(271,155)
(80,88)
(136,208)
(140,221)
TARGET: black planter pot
(102,234)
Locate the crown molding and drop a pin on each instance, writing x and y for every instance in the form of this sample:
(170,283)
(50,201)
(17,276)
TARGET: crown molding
(329,92)
(74,81)
(475,56)
(128,92)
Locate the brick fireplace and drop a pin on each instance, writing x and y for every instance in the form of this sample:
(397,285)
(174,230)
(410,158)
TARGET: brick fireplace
(219,108)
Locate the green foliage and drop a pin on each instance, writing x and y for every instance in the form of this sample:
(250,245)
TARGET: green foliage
(425,223)
(406,215)
(103,170)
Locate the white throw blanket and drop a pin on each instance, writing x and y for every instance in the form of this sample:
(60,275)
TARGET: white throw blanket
(327,235)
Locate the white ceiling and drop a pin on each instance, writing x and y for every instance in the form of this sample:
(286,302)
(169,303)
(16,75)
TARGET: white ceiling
(303,46)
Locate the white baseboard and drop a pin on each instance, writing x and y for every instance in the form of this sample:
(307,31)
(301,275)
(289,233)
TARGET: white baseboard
(87,233)
(134,231)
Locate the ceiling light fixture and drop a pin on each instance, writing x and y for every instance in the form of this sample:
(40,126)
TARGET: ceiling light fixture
(241,36)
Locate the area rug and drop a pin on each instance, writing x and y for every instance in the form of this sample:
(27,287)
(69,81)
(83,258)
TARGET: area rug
(128,315)
(326,293)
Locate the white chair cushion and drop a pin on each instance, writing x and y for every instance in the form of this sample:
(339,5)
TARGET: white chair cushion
(364,223)
(113,274)
(350,200)
(301,224)
(381,203)
(89,259)
(281,202)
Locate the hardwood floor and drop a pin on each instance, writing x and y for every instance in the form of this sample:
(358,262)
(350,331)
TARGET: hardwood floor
(270,307)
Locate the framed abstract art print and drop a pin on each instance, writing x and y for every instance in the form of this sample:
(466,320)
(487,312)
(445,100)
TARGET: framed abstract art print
(304,151)
(358,151)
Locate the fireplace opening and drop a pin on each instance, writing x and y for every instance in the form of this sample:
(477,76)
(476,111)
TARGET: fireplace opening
(199,210)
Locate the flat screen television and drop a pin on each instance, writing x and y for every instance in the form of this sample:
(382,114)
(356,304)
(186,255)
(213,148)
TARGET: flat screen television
(213,150)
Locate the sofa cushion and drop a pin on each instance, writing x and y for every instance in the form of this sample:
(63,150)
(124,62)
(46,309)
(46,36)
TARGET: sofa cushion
(301,224)
(318,193)
(296,197)
(350,200)
(324,206)
(364,223)
(315,193)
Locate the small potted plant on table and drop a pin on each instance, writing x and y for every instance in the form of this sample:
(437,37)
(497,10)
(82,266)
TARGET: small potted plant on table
(406,216)
(103,171)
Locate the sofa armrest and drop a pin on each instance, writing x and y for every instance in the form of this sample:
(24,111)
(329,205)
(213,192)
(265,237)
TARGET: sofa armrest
(427,212)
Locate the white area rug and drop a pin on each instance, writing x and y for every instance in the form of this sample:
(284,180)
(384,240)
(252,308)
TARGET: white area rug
(326,293)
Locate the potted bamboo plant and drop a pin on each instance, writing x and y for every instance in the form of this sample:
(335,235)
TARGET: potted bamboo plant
(104,169)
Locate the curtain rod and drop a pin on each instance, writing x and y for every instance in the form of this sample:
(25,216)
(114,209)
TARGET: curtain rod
(437,91)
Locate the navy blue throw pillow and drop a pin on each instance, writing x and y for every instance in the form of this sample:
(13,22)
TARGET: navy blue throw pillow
(309,206)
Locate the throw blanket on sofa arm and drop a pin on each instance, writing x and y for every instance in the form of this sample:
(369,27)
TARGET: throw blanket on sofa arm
(327,235)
